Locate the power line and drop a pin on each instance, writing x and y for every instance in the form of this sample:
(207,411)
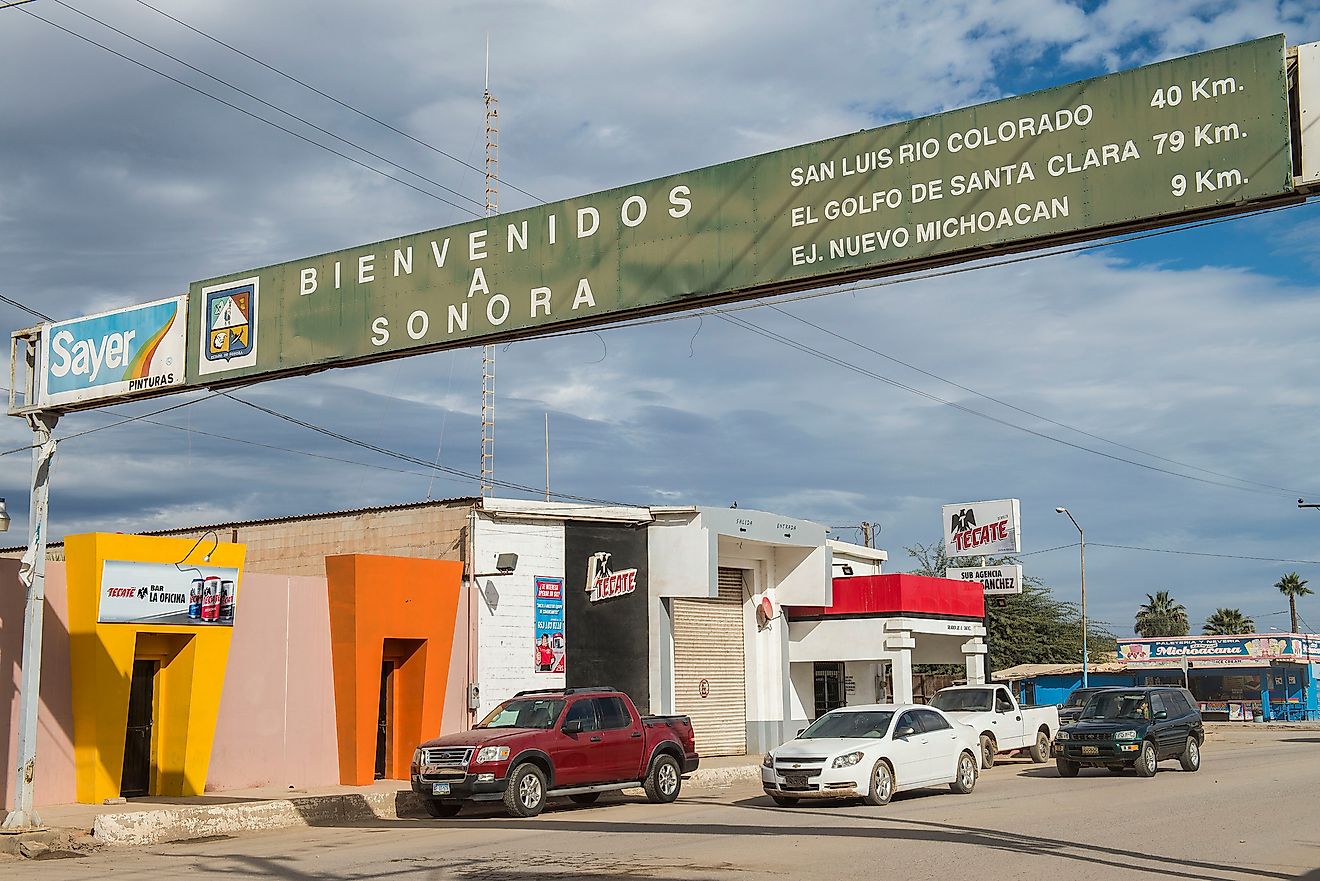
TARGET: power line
(1203,554)
(266,103)
(16,3)
(249,113)
(124,421)
(17,305)
(328,97)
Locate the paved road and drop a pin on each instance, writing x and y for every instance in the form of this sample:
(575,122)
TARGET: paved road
(1253,811)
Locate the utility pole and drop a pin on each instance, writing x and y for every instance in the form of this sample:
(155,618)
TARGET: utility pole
(488,352)
(33,574)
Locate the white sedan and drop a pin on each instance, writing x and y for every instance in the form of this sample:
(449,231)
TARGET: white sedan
(870,752)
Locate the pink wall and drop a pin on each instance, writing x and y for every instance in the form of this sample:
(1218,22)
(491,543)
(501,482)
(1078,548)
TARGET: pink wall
(277,710)
(54,778)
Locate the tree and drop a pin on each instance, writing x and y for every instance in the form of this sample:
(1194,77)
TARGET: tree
(1033,627)
(1162,616)
(1292,586)
(1228,622)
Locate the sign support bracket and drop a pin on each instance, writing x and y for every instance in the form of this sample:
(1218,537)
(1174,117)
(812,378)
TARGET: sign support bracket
(32,572)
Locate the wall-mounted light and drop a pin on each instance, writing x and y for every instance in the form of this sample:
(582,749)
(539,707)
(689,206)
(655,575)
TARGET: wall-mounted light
(505,564)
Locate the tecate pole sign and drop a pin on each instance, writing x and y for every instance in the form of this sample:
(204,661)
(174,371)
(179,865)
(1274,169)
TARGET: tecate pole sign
(116,354)
(973,529)
(1203,134)
(995,580)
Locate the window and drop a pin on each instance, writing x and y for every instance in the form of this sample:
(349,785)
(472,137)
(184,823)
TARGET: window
(963,700)
(528,713)
(585,712)
(1176,703)
(1157,704)
(907,720)
(863,723)
(612,713)
(931,721)
(1003,703)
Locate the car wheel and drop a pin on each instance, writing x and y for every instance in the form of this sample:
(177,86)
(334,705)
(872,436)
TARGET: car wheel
(1040,751)
(965,782)
(784,801)
(882,784)
(1147,760)
(1066,768)
(441,809)
(664,781)
(525,796)
(584,798)
(988,750)
(1191,757)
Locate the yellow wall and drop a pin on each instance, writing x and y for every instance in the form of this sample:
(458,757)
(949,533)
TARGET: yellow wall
(187,689)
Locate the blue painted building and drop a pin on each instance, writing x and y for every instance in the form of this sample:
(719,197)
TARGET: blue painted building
(1250,677)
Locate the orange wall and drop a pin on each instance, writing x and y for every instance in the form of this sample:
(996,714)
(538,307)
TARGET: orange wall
(390,608)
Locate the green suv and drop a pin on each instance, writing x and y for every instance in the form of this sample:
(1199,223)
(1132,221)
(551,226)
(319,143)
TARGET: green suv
(1132,728)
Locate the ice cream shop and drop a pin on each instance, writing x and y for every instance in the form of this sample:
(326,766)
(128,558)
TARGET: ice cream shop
(1252,677)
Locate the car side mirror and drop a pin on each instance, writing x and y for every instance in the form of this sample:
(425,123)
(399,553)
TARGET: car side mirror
(1162,714)
(572,726)
(904,732)
(801,731)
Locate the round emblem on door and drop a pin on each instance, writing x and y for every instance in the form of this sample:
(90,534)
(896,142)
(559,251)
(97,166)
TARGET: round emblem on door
(704,688)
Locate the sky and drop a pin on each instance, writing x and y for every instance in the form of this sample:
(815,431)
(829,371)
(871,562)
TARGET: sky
(1192,353)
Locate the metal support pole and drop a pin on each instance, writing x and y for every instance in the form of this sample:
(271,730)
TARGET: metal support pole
(33,573)
(1086,661)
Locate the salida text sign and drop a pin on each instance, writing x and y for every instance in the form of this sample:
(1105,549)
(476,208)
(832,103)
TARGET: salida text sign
(1203,133)
(160,593)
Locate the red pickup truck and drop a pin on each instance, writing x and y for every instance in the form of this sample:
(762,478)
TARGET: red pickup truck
(576,742)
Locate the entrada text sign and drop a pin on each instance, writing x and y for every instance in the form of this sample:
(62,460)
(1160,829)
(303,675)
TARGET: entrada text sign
(1203,133)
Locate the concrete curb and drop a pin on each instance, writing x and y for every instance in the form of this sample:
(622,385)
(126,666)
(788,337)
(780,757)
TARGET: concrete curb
(191,822)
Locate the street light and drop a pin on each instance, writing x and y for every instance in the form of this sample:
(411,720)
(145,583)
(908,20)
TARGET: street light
(1082,533)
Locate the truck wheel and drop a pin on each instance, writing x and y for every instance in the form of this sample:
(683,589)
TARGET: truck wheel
(784,801)
(965,782)
(1191,757)
(664,781)
(1147,760)
(1040,750)
(441,809)
(882,785)
(525,796)
(988,750)
(584,798)
(1066,768)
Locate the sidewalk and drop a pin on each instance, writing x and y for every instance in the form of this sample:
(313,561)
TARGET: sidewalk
(156,819)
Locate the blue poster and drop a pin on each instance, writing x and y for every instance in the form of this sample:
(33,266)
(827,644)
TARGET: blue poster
(549,625)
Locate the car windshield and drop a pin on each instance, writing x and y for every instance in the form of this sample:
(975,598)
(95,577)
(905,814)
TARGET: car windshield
(963,700)
(525,713)
(1117,705)
(864,723)
(1079,697)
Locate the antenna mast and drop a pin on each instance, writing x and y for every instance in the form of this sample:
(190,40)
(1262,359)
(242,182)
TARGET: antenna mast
(488,352)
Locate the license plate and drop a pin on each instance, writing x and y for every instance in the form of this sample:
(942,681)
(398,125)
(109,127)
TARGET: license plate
(1090,750)
(439,789)
(795,780)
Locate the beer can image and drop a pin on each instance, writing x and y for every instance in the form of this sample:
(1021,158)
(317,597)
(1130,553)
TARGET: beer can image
(195,599)
(226,602)
(211,599)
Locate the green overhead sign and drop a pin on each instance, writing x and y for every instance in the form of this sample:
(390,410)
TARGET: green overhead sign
(1202,134)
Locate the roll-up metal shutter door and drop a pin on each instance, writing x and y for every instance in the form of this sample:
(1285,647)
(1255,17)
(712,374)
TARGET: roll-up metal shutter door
(708,645)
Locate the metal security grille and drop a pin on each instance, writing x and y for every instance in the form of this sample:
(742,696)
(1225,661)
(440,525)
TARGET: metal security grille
(708,660)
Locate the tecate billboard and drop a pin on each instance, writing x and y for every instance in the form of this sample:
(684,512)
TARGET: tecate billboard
(975,529)
(115,354)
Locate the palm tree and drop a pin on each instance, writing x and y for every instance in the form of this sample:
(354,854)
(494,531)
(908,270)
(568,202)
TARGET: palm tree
(1292,586)
(1162,616)
(1228,622)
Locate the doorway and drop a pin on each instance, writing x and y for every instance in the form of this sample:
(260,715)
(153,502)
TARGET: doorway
(385,727)
(136,778)
(829,687)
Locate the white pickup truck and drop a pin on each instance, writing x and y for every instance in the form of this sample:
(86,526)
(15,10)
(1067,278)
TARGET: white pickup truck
(1003,725)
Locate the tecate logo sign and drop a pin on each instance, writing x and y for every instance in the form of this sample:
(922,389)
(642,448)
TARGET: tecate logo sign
(982,528)
(604,583)
(114,354)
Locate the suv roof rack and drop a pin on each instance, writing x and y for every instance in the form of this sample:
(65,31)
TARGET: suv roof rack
(577,690)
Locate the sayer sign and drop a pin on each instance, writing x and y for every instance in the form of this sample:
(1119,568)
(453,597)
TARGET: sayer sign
(982,528)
